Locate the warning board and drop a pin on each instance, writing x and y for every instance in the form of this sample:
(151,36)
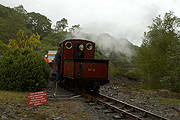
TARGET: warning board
(37,98)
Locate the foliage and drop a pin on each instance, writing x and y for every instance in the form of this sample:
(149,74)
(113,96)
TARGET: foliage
(153,58)
(24,42)
(55,38)
(14,19)
(131,74)
(3,48)
(22,68)
(171,80)
(61,25)
(20,9)
(117,71)
(52,41)
(23,71)
(10,22)
(75,28)
(38,23)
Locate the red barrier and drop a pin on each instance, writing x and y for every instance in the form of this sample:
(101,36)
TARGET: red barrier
(37,98)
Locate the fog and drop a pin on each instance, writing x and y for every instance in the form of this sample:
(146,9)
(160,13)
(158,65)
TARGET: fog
(119,18)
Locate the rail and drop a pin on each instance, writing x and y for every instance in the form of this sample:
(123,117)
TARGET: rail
(127,110)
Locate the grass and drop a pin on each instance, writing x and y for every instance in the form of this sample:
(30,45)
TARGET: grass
(13,97)
(169,101)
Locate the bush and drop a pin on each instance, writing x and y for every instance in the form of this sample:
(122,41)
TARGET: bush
(131,74)
(117,71)
(23,71)
(171,80)
(3,48)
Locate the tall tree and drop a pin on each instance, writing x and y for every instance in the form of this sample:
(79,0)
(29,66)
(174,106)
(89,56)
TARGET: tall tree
(39,24)
(20,9)
(61,25)
(74,28)
(152,58)
(10,22)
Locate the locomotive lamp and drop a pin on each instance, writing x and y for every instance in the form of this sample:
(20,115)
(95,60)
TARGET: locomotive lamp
(81,47)
(89,46)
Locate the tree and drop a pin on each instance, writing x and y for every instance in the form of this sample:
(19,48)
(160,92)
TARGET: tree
(3,48)
(39,24)
(23,42)
(61,25)
(74,28)
(22,68)
(10,22)
(152,57)
(171,80)
(20,9)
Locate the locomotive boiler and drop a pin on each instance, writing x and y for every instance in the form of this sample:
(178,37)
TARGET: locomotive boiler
(79,69)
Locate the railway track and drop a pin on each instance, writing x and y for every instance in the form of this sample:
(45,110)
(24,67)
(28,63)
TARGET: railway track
(128,111)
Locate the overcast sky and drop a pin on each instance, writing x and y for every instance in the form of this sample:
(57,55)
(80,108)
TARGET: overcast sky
(120,18)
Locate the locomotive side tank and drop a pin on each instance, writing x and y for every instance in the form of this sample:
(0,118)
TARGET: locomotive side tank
(79,69)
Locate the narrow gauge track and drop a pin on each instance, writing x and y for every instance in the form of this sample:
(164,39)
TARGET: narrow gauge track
(127,111)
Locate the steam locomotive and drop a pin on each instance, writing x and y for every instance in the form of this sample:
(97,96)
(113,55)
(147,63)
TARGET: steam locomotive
(79,69)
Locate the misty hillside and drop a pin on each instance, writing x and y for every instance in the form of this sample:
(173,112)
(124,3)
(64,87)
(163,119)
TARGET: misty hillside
(14,19)
(10,22)
(118,45)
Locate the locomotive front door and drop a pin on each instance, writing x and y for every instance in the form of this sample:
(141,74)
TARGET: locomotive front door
(78,50)
(78,54)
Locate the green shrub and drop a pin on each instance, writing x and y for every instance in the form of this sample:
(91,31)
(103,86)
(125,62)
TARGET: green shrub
(23,71)
(131,74)
(3,48)
(171,80)
(117,71)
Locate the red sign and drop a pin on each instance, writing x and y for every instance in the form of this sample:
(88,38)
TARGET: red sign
(37,98)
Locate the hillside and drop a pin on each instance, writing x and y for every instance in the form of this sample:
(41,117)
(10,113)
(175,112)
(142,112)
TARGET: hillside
(10,22)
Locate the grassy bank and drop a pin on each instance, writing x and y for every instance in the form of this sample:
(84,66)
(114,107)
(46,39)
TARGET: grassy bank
(13,97)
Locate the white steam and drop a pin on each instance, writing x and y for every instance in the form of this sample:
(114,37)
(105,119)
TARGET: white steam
(107,43)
